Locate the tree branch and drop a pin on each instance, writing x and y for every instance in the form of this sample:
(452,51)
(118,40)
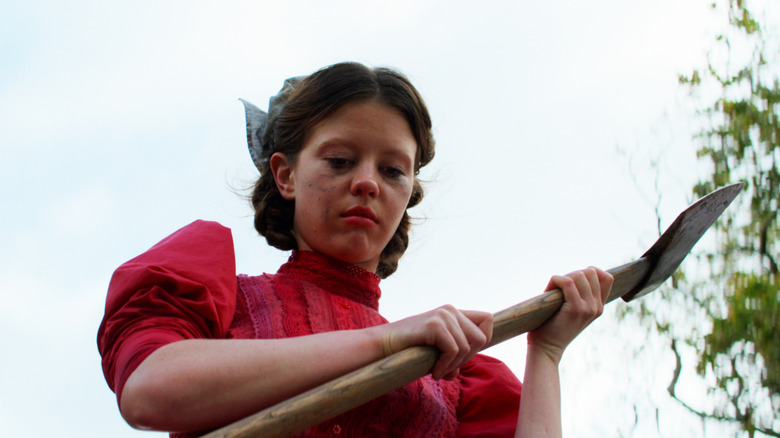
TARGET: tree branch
(702,415)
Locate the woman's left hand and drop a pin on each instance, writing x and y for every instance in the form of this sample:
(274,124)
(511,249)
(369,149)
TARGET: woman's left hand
(585,293)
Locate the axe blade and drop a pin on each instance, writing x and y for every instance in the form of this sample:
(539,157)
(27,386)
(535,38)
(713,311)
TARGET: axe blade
(676,242)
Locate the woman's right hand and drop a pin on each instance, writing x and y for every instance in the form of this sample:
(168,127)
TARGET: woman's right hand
(458,334)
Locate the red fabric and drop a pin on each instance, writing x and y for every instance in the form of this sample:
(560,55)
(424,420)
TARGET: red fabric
(183,287)
(186,287)
(490,399)
(312,294)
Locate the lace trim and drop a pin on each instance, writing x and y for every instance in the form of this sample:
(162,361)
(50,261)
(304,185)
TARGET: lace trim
(337,277)
(312,293)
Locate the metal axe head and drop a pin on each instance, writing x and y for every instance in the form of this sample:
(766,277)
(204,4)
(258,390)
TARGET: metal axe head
(677,241)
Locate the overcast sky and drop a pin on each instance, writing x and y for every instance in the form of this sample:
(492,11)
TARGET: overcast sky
(121,123)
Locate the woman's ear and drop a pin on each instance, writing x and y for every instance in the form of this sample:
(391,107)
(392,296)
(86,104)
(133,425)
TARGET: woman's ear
(282,170)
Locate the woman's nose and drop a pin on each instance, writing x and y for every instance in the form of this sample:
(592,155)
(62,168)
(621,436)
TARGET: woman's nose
(365,184)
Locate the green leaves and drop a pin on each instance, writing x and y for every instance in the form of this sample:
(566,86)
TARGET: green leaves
(733,297)
(740,142)
(753,317)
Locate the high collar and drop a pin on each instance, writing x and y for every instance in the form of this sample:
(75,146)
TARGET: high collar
(337,277)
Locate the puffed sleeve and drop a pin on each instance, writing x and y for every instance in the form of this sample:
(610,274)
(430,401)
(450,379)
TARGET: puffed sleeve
(182,288)
(489,400)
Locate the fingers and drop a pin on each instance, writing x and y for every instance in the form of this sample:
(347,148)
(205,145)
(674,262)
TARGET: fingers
(606,280)
(585,293)
(586,290)
(589,292)
(600,282)
(449,338)
(483,320)
(459,335)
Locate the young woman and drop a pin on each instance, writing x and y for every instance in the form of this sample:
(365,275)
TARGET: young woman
(188,346)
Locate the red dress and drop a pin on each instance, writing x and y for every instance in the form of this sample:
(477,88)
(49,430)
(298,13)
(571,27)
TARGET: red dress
(185,287)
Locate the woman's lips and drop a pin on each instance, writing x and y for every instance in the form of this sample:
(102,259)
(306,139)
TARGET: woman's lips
(361,216)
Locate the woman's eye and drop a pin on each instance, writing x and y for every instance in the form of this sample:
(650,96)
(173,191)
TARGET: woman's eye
(338,162)
(394,172)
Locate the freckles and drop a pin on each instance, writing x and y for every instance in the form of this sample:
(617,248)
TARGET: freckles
(322,188)
(322,183)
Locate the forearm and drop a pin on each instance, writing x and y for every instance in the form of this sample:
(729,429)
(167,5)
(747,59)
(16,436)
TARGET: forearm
(200,384)
(540,404)
(585,293)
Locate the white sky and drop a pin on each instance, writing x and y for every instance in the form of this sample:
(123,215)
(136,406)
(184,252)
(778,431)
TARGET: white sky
(121,123)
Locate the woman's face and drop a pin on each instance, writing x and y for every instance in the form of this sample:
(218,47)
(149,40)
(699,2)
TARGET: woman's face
(351,182)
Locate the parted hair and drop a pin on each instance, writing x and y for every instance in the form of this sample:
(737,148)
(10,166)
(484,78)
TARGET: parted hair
(311,101)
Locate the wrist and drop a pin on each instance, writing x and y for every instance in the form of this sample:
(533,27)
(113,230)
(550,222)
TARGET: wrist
(380,341)
(544,352)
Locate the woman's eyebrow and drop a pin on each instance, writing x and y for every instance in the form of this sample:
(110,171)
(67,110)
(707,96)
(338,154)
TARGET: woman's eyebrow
(334,143)
(398,150)
(402,158)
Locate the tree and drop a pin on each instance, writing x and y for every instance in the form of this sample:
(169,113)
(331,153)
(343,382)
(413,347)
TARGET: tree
(732,288)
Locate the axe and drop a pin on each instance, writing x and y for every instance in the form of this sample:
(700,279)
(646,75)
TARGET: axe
(632,281)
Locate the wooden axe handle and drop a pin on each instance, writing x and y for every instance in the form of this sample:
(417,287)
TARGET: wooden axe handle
(530,314)
(365,384)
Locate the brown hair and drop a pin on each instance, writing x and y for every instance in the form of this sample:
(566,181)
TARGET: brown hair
(312,100)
